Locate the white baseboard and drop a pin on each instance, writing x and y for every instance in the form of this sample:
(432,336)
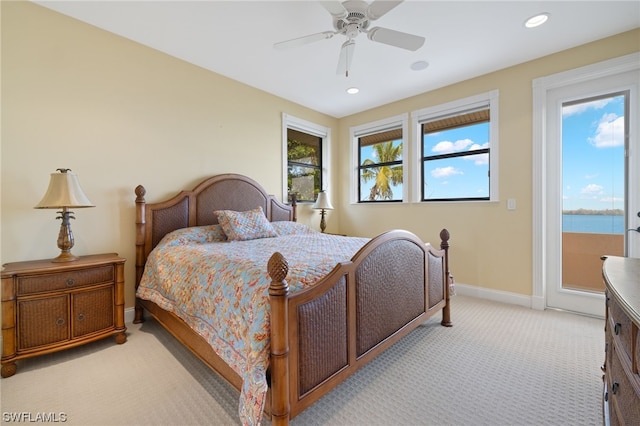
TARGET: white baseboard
(129,315)
(500,296)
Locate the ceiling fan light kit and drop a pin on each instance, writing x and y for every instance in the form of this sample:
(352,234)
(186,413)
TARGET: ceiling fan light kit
(352,17)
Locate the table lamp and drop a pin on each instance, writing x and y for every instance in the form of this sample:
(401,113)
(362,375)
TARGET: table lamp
(322,204)
(64,193)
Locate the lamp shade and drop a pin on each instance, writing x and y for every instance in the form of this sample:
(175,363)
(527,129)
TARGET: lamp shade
(322,203)
(64,191)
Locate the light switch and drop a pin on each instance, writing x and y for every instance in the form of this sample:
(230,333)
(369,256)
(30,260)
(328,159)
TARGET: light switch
(511,204)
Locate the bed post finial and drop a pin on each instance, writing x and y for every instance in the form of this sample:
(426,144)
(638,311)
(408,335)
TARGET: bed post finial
(278,292)
(140,238)
(446,311)
(140,193)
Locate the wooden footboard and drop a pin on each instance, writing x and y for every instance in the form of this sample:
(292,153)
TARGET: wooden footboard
(322,335)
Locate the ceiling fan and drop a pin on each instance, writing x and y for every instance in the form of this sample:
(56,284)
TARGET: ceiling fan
(351,18)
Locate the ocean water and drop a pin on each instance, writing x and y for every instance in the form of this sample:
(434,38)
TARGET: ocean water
(593,224)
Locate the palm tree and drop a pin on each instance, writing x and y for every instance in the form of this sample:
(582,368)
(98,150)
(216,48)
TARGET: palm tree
(385,174)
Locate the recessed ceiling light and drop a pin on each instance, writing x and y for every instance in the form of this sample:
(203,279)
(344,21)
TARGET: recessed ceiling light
(352,90)
(419,65)
(537,20)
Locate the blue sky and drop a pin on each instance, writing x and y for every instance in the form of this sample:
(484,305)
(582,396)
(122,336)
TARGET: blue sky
(593,155)
(461,177)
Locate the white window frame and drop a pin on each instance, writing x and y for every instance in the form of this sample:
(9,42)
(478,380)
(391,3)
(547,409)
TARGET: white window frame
(356,132)
(295,123)
(418,117)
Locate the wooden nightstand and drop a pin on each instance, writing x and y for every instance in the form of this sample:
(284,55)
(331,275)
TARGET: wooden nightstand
(47,307)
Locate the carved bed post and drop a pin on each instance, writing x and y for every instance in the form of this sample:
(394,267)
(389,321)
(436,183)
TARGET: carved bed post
(140,238)
(294,206)
(278,292)
(446,311)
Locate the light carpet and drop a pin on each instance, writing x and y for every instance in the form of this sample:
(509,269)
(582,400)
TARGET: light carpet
(498,365)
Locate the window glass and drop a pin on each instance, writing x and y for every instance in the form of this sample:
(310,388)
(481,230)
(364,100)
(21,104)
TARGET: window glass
(456,146)
(455,162)
(380,166)
(304,165)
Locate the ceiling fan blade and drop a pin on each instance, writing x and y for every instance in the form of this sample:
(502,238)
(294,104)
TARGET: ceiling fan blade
(396,38)
(300,41)
(379,8)
(346,57)
(335,8)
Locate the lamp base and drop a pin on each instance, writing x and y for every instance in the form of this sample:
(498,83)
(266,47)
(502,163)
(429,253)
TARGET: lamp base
(65,237)
(323,222)
(65,257)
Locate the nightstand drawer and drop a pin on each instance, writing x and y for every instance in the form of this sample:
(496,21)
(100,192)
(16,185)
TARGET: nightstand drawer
(43,322)
(64,280)
(92,311)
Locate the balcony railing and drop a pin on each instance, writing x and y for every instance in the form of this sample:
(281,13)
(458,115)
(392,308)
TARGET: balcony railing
(581,264)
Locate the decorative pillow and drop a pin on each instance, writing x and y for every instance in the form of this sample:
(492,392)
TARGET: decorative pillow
(286,227)
(248,225)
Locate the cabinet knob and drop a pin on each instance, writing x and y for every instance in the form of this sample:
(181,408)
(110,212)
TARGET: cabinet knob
(60,322)
(70,282)
(80,317)
(614,387)
(616,328)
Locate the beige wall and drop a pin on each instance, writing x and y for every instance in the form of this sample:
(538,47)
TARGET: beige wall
(120,114)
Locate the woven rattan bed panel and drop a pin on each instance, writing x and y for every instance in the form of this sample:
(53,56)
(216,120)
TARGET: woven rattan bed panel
(322,325)
(229,195)
(169,219)
(436,289)
(389,293)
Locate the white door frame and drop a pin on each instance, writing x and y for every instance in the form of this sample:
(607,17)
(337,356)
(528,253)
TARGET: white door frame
(541,87)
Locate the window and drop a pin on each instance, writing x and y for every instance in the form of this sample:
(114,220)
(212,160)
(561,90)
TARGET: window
(380,156)
(457,146)
(306,146)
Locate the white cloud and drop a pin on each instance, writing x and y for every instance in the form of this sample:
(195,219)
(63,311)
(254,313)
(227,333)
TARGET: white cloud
(446,147)
(442,172)
(479,159)
(610,132)
(582,107)
(593,176)
(612,200)
(592,188)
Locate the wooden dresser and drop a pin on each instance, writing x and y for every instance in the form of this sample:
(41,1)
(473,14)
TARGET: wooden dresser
(49,306)
(621,397)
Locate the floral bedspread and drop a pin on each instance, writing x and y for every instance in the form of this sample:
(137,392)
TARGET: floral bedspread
(220,288)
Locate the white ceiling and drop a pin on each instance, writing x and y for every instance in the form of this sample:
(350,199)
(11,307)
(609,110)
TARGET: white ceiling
(463,40)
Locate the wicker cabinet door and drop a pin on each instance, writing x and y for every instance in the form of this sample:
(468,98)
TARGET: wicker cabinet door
(92,311)
(43,321)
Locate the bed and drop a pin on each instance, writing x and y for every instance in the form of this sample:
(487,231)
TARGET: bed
(322,321)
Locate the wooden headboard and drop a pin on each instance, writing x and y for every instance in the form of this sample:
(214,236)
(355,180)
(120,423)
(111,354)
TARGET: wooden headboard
(195,208)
